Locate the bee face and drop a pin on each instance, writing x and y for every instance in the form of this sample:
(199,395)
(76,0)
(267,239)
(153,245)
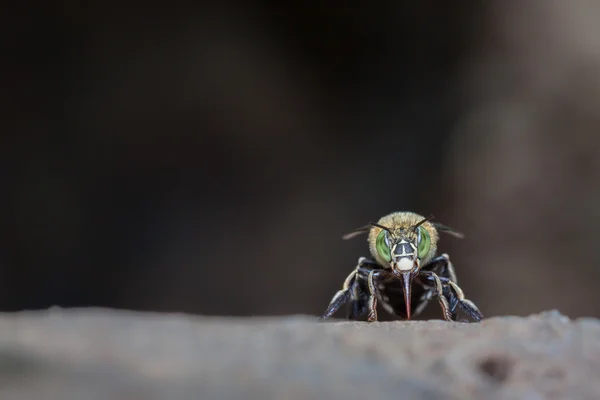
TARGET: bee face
(403,249)
(405,245)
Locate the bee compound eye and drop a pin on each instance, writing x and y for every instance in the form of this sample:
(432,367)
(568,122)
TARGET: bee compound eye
(382,245)
(425,242)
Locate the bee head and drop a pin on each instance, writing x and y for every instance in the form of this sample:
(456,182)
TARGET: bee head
(403,248)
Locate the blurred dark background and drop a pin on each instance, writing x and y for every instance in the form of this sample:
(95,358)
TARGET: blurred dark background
(208,160)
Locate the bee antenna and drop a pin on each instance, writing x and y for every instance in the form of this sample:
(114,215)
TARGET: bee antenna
(448,230)
(385,228)
(414,227)
(364,229)
(356,232)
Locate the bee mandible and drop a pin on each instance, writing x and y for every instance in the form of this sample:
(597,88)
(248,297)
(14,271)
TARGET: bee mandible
(404,273)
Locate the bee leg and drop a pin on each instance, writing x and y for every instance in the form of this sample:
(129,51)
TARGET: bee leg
(354,310)
(458,298)
(465,304)
(357,308)
(442,267)
(358,304)
(452,300)
(341,297)
(439,291)
(372,297)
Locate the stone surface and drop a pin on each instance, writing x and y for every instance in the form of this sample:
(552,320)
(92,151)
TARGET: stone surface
(108,354)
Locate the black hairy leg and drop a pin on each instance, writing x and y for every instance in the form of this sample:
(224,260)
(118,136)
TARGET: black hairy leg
(442,267)
(351,290)
(439,293)
(369,284)
(454,297)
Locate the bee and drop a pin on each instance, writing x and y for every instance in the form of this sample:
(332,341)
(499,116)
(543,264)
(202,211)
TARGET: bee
(404,272)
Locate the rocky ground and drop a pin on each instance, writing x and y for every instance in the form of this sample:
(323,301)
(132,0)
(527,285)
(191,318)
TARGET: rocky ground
(108,354)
